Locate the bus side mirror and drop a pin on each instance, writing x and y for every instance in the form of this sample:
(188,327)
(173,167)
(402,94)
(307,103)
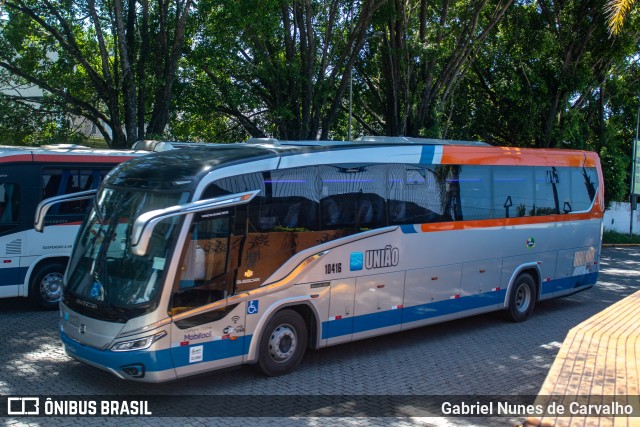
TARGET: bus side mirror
(44,206)
(144,225)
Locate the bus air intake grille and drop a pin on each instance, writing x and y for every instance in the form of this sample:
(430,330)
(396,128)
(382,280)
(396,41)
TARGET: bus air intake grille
(14,247)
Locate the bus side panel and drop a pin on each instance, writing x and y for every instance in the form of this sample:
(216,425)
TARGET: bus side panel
(481,277)
(339,327)
(11,276)
(9,291)
(511,265)
(212,345)
(431,292)
(547,268)
(55,240)
(378,308)
(579,270)
(12,273)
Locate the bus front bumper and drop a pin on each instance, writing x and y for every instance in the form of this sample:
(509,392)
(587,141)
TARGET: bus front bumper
(140,365)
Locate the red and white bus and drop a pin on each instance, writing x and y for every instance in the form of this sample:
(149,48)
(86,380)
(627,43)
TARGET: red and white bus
(32,264)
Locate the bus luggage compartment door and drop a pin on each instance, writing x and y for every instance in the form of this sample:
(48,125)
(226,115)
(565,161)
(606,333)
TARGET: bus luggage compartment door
(378,307)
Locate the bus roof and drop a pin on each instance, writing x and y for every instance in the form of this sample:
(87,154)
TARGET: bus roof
(63,153)
(195,160)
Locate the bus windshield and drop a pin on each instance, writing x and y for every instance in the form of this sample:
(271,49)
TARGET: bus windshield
(102,269)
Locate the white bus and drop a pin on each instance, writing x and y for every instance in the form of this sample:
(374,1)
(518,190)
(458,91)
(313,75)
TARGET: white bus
(195,260)
(32,264)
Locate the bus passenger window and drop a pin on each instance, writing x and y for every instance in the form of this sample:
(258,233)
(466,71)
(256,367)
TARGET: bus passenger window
(353,197)
(292,216)
(513,191)
(56,182)
(397,212)
(415,195)
(475,192)
(330,213)
(583,188)
(289,202)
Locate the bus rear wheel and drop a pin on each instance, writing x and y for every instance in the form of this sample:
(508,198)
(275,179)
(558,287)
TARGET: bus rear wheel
(522,299)
(283,344)
(45,286)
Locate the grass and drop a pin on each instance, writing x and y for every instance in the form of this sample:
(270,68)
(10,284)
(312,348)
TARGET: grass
(613,237)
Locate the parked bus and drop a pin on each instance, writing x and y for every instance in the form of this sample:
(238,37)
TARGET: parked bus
(195,260)
(32,264)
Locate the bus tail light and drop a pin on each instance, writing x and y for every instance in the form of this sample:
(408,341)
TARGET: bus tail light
(138,343)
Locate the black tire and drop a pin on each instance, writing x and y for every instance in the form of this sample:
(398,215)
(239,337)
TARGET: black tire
(282,344)
(45,286)
(522,298)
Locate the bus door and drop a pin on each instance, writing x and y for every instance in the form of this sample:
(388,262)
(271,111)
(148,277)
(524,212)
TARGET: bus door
(10,272)
(211,337)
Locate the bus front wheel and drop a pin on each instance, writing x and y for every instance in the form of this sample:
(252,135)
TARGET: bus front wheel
(45,286)
(522,298)
(283,343)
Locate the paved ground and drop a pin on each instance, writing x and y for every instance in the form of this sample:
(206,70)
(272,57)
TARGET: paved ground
(600,357)
(482,355)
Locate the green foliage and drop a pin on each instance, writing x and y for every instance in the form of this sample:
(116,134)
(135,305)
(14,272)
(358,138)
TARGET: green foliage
(544,74)
(119,77)
(613,238)
(27,125)
(277,68)
(615,165)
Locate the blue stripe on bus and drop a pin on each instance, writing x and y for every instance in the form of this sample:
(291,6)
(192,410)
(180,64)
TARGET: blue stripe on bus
(368,322)
(13,276)
(572,282)
(152,360)
(408,229)
(427,154)
(382,319)
(451,306)
(212,350)
(156,361)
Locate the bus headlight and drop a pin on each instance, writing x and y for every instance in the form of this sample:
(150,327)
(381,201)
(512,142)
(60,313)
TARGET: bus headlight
(138,343)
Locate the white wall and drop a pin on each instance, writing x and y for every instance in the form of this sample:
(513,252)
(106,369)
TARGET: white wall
(617,217)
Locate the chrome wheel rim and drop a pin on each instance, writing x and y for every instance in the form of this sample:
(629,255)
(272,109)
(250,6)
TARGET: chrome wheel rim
(523,298)
(282,343)
(51,287)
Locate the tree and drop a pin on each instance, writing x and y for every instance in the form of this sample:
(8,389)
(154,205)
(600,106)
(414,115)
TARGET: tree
(113,62)
(416,56)
(532,84)
(279,68)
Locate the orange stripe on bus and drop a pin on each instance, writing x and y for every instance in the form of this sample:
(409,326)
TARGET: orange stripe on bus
(513,156)
(507,222)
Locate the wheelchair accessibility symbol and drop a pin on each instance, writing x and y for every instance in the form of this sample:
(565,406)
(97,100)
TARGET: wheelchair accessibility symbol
(252,306)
